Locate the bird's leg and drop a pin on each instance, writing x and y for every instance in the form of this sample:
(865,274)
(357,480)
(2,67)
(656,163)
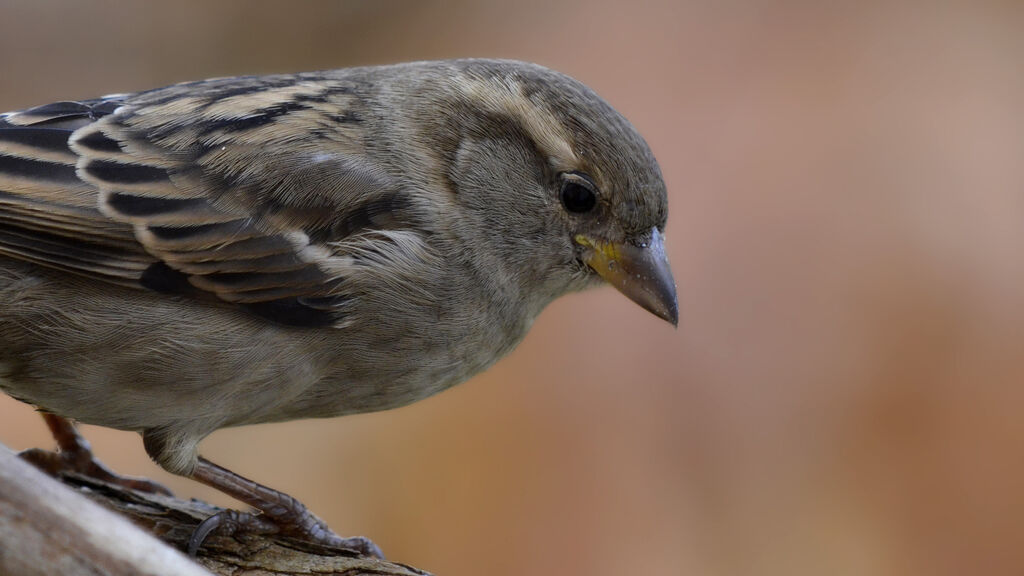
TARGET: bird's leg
(282,514)
(75,455)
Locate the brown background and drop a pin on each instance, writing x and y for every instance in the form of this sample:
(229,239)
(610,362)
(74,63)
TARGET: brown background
(843,394)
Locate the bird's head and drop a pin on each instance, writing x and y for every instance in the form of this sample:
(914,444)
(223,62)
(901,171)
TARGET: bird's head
(563,190)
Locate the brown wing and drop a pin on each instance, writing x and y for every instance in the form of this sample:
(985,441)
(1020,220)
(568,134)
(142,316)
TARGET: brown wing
(50,217)
(238,188)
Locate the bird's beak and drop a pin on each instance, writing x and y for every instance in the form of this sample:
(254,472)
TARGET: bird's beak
(641,272)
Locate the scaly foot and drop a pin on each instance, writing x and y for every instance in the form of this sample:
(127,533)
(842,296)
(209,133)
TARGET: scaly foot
(75,455)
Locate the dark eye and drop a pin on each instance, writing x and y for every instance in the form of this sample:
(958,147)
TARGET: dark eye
(578,194)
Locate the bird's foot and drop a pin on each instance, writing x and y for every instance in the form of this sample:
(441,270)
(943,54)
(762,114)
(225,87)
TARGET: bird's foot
(233,522)
(281,515)
(75,455)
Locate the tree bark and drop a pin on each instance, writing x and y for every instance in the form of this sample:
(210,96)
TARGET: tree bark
(77,525)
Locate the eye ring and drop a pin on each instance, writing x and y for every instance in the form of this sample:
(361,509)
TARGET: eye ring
(578,193)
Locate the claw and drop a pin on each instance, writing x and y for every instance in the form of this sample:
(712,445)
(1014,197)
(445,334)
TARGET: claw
(281,515)
(75,455)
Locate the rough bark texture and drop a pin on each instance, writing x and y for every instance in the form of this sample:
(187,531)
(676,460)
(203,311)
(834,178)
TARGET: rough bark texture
(56,527)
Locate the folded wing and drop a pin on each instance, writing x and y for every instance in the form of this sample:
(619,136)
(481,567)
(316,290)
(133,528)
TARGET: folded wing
(236,190)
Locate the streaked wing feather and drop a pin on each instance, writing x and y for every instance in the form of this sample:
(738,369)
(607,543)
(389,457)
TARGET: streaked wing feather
(198,188)
(48,216)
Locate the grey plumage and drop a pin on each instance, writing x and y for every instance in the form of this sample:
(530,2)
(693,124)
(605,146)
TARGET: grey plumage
(259,249)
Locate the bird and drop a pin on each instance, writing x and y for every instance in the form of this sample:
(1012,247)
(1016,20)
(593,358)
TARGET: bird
(267,248)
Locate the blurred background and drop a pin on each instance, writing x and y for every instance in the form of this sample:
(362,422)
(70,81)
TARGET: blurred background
(843,394)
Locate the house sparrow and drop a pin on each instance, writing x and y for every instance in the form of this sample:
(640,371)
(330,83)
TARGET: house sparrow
(266,248)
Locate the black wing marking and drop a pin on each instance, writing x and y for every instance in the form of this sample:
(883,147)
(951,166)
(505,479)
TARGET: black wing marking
(48,216)
(237,189)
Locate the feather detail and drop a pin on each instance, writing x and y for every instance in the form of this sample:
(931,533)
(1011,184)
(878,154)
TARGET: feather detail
(235,188)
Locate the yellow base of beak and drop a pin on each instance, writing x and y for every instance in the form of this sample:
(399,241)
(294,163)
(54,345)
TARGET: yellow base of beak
(641,272)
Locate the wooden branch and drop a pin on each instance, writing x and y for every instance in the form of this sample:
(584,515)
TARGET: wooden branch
(66,527)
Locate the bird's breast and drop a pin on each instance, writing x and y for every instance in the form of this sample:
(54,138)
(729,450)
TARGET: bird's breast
(401,359)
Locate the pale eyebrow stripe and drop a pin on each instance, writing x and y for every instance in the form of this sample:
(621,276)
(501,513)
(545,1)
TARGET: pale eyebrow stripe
(506,96)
